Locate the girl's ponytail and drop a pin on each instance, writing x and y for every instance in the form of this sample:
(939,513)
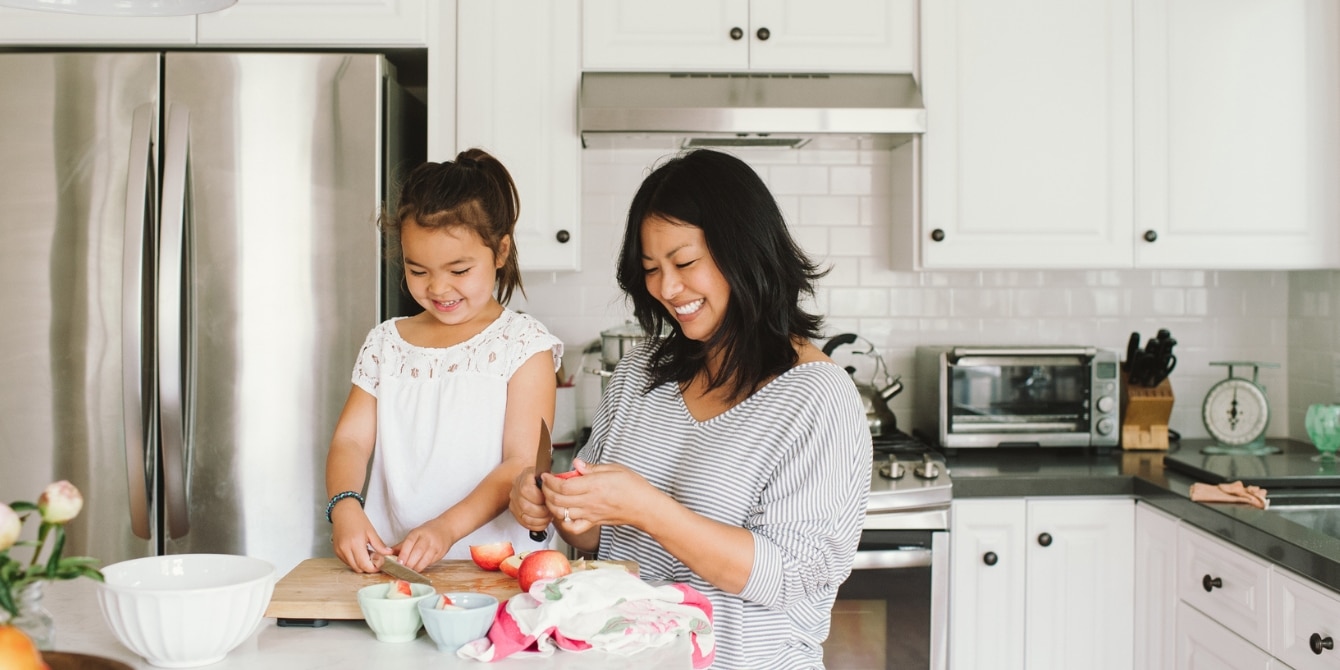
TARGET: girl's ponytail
(502,205)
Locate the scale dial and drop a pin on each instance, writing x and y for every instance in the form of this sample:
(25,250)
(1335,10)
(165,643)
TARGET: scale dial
(1236,412)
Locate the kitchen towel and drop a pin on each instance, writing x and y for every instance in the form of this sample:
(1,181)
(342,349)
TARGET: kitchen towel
(1230,492)
(606,609)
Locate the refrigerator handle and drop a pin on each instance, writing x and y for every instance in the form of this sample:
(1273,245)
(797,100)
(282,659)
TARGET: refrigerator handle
(139,219)
(171,352)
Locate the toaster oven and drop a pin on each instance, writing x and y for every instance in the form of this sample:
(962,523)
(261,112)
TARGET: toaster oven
(988,396)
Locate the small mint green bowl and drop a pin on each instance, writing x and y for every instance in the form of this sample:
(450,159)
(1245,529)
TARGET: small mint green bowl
(393,619)
(453,629)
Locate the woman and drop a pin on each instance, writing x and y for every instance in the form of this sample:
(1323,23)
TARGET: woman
(730,454)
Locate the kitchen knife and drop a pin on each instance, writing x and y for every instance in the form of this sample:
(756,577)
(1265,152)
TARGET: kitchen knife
(393,567)
(544,461)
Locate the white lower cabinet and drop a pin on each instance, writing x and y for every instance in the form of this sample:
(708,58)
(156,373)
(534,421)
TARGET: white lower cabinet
(1204,644)
(1042,583)
(1155,588)
(1305,623)
(1224,582)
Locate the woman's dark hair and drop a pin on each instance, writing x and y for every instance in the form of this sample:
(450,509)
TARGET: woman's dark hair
(747,238)
(474,192)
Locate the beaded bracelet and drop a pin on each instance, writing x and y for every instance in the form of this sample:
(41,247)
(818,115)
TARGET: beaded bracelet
(341,496)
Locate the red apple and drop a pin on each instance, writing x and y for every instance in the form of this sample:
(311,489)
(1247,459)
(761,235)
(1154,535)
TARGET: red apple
(542,564)
(490,556)
(399,589)
(512,564)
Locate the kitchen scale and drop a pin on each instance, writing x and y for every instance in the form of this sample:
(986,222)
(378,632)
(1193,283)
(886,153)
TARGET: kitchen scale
(1236,412)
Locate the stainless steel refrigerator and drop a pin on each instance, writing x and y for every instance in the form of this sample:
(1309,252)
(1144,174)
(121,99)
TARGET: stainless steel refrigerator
(189,262)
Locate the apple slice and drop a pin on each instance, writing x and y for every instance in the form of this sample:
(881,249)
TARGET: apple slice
(568,475)
(512,564)
(490,556)
(446,604)
(399,589)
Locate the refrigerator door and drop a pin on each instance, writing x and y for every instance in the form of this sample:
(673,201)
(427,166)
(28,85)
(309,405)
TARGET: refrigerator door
(276,244)
(74,343)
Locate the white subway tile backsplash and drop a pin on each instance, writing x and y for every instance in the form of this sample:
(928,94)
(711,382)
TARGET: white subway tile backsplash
(838,202)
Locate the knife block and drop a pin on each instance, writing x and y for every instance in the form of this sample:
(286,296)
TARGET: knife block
(1145,413)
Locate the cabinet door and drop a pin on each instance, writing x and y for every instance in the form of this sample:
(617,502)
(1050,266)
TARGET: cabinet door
(1301,614)
(1028,148)
(516,97)
(1203,644)
(335,23)
(986,585)
(30,27)
(832,36)
(697,35)
(1155,588)
(1080,584)
(1226,583)
(1238,133)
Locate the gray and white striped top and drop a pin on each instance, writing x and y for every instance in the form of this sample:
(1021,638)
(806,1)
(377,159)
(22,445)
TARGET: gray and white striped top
(791,463)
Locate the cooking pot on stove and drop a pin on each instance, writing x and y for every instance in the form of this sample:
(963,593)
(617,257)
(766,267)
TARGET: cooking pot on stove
(875,398)
(613,345)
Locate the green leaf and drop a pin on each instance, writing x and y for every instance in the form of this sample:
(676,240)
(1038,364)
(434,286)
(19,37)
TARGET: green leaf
(54,561)
(7,602)
(22,506)
(81,561)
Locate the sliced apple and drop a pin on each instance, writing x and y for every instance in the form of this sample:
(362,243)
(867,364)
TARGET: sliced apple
(512,564)
(399,589)
(490,556)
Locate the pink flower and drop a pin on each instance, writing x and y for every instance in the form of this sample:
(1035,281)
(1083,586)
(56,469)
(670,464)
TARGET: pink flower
(60,502)
(10,526)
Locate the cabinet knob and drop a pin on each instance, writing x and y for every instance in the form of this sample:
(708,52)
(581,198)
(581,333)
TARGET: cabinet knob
(990,558)
(1320,644)
(1211,584)
(938,235)
(563,236)
(764,34)
(736,33)
(1045,539)
(1151,236)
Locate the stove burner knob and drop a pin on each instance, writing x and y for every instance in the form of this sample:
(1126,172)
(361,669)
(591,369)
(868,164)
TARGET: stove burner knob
(928,469)
(893,469)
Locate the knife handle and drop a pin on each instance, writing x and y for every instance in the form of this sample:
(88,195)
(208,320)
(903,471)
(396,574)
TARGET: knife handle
(538,535)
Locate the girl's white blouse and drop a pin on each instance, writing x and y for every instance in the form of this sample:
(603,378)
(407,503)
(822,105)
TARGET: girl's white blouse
(440,423)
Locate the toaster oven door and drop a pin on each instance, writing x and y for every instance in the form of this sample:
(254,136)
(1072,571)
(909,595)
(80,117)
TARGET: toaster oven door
(1017,398)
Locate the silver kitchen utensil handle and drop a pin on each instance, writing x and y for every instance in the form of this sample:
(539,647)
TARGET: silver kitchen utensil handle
(892,559)
(139,217)
(171,266)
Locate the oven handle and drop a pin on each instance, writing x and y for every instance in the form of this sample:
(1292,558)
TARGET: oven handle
(915,557)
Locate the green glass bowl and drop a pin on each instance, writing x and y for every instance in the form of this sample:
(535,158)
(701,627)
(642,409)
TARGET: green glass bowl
(1323,426)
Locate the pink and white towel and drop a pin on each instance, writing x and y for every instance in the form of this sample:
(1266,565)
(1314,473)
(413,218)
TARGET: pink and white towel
(606,609)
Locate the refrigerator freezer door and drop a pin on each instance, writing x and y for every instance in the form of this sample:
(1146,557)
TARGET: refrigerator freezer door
(65,156)
(281,268)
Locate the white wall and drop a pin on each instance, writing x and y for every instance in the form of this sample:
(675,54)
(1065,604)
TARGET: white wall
(838,204)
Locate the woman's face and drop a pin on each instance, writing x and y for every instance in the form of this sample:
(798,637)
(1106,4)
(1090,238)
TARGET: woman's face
(450,271)
(681,273)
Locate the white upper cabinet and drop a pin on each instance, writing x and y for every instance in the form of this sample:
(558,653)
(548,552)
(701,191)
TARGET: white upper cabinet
(317,23)
(1198,134)
(20,27)
(517,79)
(1027,156)
(1237,131)
(743,35)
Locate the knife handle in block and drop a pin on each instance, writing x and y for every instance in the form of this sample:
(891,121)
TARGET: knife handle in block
(538,535)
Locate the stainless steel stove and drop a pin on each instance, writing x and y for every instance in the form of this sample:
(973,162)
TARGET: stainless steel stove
(907,478)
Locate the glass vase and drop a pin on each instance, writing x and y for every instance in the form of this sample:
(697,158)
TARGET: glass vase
(33,618)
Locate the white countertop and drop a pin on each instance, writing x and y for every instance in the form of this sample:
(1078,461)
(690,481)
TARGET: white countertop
(81,628)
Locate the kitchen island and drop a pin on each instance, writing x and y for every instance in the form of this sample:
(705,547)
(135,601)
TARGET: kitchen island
(80,628)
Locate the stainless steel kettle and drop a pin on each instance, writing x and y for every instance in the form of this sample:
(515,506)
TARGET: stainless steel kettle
(875,398)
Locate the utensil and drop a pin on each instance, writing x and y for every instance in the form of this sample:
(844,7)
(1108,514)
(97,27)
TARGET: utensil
(393,567)
(544,461)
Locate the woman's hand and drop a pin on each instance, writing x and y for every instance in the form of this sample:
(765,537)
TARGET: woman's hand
(352,535)
(603,495)
(526,502)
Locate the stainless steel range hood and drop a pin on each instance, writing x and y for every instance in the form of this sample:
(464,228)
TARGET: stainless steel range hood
(629,110)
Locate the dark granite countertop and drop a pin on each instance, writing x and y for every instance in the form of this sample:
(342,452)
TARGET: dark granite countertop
(985,473)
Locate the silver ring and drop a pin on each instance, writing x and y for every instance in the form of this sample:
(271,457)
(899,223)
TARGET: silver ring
(566,517)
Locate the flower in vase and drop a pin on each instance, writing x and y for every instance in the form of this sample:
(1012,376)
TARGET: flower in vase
(59,503)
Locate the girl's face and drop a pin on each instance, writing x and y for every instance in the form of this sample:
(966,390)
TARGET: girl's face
(681,273)
(450,271)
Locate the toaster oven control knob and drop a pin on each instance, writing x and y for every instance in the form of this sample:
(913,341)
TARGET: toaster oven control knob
(1106,425)
(1106,404)
(928,469)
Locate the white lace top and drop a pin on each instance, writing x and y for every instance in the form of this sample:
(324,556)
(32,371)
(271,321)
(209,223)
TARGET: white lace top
(440,421)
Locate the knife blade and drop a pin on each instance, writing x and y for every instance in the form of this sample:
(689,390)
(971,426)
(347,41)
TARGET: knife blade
(544,462)
(394,568)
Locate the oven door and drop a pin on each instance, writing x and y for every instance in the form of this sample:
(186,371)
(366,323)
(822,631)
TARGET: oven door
(1037,398)
(892,612)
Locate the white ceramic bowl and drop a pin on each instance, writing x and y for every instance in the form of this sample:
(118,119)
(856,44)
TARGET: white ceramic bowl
(451,629)
(392,619)
(186,610)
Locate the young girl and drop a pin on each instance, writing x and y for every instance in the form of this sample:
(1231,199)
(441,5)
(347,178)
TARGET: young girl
(446,404)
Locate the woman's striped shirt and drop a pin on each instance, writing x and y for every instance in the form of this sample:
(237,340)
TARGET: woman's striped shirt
(791,463)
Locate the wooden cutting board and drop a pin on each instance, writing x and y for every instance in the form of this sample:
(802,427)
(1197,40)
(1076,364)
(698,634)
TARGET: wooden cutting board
(325,588)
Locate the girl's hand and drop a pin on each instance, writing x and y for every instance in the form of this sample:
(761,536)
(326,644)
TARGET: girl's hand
(424,546)
(526,502)
(351,537)
(604,495)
